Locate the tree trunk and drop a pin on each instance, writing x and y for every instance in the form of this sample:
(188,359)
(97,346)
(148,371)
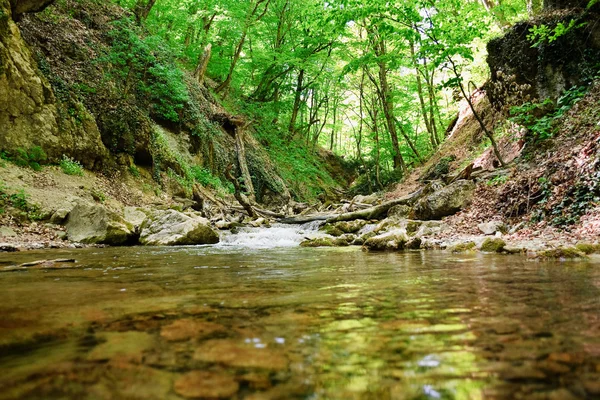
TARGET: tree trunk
(142,9)
(203,64)
(296,107)
(428,127)
(240,150)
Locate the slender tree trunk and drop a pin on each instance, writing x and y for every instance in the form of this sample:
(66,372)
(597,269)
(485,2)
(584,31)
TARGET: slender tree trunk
(142,9)
(240,150)
(203,64)
(297,101)
(476,114)
(426,119)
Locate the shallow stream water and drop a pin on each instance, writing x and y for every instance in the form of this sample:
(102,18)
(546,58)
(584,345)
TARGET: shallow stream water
(240,322)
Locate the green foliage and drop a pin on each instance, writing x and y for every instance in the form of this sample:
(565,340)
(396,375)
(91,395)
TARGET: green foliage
(70,166)
(146,65)
(540,118)
(19,201)
(134,171)
(206,178)
(98,195)
(540,34)
(497,180)
(33,158)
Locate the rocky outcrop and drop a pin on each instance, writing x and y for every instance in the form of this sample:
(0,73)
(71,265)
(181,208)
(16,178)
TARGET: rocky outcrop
(522,72)
(95,224)
(393,240)
(446,201)
(170,228)
(30,114)
(19,7)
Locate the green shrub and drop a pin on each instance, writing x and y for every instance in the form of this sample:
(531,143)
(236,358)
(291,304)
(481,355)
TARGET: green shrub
(144,65)
(20,201)
(134,171)
(70,166)
(32,158)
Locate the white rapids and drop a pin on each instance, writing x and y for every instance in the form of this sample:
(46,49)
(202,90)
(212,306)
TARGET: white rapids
(278,235)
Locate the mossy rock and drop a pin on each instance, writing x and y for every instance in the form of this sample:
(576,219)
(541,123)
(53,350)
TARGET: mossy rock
(493,245)
(390,241)
(562,253)
(318,242)
(359,241)
(351,226)
(332,230)
(414,243)
(463,247)
(588,248)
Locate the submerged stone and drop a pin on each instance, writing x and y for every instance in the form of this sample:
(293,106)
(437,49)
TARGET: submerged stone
(206,384)
(234,354)
(185,329)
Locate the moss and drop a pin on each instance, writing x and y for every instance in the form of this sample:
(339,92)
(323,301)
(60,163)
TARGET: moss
(562,252)
(462,247)
(588,248)
(351,226)
(493,245)
(318,242)
(332,230)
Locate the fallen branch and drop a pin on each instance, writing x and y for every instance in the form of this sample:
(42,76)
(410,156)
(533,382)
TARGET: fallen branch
(379,211)
(306,218)
(238,192)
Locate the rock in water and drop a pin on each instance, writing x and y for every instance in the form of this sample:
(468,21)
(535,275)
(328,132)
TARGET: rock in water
(446,201)
(95,224)
(171,228)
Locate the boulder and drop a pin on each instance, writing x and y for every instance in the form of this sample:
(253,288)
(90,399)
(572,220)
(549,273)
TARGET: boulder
(491,227)
(171,228)
(493,245)
(59,216)
(446,201)
(393,240)
(351,226)
(135,216)
(95,224)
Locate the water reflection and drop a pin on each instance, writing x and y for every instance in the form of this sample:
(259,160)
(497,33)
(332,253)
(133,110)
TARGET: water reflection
(298,323)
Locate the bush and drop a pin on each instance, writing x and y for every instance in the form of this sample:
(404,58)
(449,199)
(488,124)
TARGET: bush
(70,166)
(32,158)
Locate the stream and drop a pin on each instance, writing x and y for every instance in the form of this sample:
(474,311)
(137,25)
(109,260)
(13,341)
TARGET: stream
(258,317)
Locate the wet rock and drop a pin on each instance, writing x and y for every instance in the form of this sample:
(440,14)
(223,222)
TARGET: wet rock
(592,386)
(561,394)
(234,354)
(414,243)
(128,346)
(206,384)
(495,245)
(588,248)
(257,223)
(359,241)
(9,248)
(332,230)
(95,224)
(562,253)
(170,227)
(59,216)
(185,329)
(389,241)
(490,228)
(462,247)
(552,367)
(523,373)
(446,201)
(318,242)
(351,226)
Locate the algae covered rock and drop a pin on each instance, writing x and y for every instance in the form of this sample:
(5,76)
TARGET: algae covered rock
(446,201)
(95,224)
(351,226)
(562,253)
(393,240)
(332,230)
(463,247)
(318,242)
(495,245)
(171,228)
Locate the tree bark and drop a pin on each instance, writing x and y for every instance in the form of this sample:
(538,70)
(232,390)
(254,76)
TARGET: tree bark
(142,9)
(203,60)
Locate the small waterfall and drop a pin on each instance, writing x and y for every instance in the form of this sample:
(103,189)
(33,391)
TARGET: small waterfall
(278,235)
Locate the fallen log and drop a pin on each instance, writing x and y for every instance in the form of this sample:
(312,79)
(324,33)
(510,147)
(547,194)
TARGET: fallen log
(303,219)
(379,211)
